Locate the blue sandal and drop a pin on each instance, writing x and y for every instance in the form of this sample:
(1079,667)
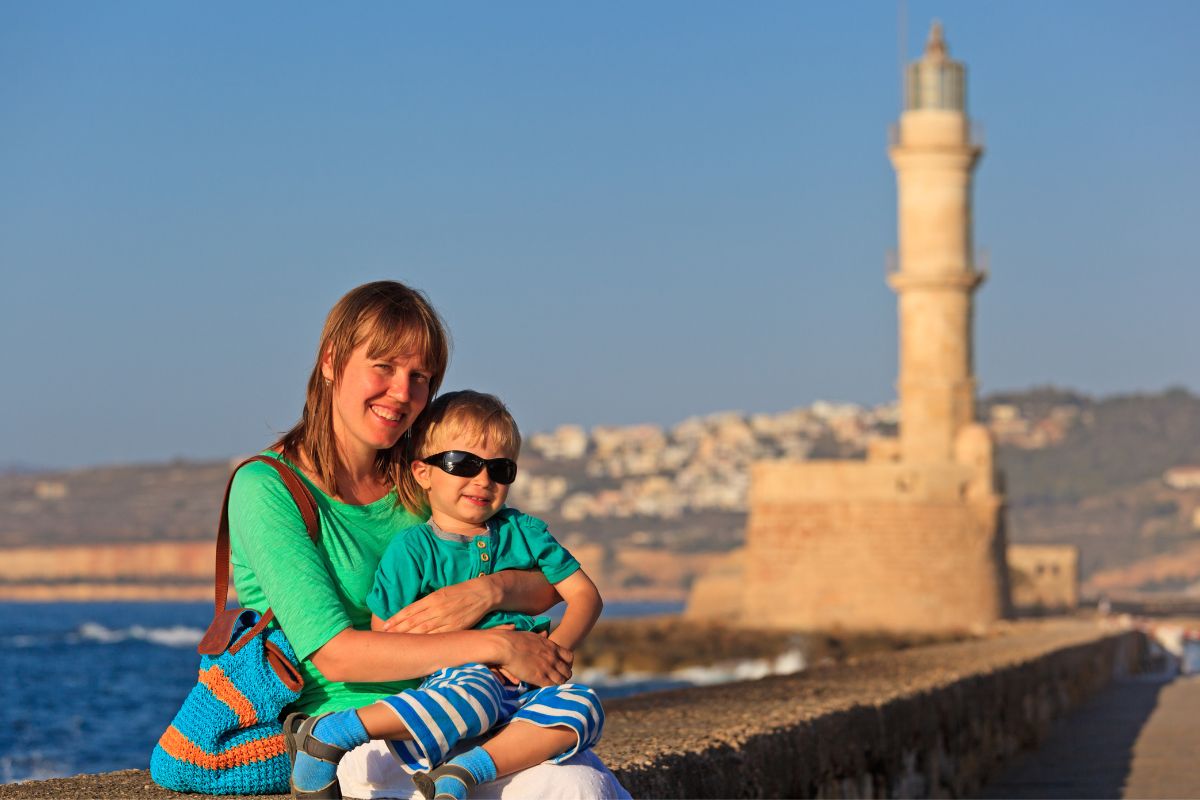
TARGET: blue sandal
(425,780)
(298,737)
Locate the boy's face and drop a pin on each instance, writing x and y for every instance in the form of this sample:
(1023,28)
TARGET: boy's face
(459,504)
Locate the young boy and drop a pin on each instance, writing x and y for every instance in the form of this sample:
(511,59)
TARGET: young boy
(465,447)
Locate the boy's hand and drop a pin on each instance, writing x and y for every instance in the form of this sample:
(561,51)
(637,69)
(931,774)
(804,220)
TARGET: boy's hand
(501,672)
(505,675)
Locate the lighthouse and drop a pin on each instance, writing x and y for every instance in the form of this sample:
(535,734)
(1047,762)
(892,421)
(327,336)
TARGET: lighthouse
(912,537)
(935,276)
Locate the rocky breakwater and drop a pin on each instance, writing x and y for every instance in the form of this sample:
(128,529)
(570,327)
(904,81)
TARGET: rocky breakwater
(936,720)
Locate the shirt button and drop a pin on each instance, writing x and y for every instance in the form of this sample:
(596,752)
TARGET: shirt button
(483,556)
(481,574)
(480,543)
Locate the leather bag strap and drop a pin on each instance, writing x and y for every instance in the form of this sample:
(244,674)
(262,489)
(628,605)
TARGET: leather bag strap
(216,638)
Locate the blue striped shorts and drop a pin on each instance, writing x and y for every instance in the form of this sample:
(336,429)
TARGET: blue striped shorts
(461,703)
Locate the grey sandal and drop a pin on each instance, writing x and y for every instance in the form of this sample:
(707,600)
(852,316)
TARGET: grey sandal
(425,780)
(298,737)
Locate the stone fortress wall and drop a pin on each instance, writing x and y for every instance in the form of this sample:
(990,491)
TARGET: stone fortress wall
(1044,578)
(872,546)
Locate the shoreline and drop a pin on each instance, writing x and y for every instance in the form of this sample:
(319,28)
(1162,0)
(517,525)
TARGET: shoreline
(132,592)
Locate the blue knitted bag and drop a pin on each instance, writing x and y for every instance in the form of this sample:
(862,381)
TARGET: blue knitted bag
(227,737)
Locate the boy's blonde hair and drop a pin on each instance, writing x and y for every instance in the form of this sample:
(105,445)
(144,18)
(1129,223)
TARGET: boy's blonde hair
(472,415)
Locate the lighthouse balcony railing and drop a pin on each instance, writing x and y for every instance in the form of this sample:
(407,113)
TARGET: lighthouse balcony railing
(980,265)
(978,135)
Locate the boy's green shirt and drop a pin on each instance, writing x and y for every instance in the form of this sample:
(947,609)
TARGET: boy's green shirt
(316,591)
(422,560)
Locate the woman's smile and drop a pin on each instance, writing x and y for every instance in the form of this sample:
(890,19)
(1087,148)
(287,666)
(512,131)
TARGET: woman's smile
(391,416)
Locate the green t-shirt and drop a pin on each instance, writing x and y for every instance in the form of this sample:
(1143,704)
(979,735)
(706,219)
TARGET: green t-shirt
(423,559)
(316,591)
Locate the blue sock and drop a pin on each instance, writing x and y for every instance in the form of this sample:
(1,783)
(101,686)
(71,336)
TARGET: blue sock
(478,763)
(343,729)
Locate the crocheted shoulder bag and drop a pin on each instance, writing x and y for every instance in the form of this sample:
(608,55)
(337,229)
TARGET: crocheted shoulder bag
(227,737)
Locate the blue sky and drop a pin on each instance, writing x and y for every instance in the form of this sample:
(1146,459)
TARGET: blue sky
(626,211)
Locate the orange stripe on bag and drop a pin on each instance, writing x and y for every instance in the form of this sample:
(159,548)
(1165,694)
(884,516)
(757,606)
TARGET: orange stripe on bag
(224,690)
(179,747)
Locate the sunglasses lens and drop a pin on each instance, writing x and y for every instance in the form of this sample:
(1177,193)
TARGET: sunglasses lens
(463,464)
(502,470)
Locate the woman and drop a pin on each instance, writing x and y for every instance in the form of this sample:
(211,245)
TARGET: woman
(382,356)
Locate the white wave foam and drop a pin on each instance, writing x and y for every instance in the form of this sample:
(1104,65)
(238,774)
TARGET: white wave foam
(95,632)
(32,766)
(174,636)
(723,672)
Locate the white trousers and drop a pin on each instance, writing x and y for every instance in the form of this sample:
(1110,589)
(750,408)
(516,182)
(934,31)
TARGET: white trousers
(372,771)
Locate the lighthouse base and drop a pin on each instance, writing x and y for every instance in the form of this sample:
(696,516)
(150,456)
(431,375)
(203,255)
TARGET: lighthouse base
(865,546)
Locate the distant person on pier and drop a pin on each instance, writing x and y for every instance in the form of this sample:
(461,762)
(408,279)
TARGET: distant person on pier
(380,360)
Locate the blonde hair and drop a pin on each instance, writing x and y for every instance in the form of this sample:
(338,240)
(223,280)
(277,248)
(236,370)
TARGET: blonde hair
(392,320)
(476,416)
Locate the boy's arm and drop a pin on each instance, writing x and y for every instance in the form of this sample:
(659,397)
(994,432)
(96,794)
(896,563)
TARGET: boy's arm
(584,605)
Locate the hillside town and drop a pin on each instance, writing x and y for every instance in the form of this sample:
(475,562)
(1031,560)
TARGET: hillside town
(650,506)
(702,464)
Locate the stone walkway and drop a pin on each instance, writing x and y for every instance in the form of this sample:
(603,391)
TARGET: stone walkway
(1137,739)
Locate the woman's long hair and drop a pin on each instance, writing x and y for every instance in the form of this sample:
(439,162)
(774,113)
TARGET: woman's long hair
(392,320)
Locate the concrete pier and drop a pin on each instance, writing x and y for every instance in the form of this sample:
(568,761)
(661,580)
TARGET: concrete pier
(1138,738)
(939,721)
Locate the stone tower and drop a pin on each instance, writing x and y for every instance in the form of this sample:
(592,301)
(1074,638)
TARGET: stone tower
(934,156)
(912,538)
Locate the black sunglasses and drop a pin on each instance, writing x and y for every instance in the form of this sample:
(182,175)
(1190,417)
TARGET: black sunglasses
(467,465)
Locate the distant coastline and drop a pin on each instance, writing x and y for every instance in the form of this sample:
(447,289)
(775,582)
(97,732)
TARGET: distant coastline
(100,591)
(183,571)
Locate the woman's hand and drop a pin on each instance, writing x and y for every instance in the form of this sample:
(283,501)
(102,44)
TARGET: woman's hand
(457,607)
(536,660)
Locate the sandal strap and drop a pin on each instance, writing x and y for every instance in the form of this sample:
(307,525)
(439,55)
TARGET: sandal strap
(425,781)
(454,771)
(330,791)
(309,744)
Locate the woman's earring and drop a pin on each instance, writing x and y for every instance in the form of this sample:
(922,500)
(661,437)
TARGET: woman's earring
(328,381)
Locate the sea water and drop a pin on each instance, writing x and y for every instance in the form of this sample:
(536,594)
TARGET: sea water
(89,687)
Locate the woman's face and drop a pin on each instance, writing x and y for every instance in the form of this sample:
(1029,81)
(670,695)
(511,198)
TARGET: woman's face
(376,400)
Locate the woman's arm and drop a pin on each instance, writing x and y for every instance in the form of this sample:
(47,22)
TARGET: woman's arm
(275,563)
(460,606)
(354,655)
